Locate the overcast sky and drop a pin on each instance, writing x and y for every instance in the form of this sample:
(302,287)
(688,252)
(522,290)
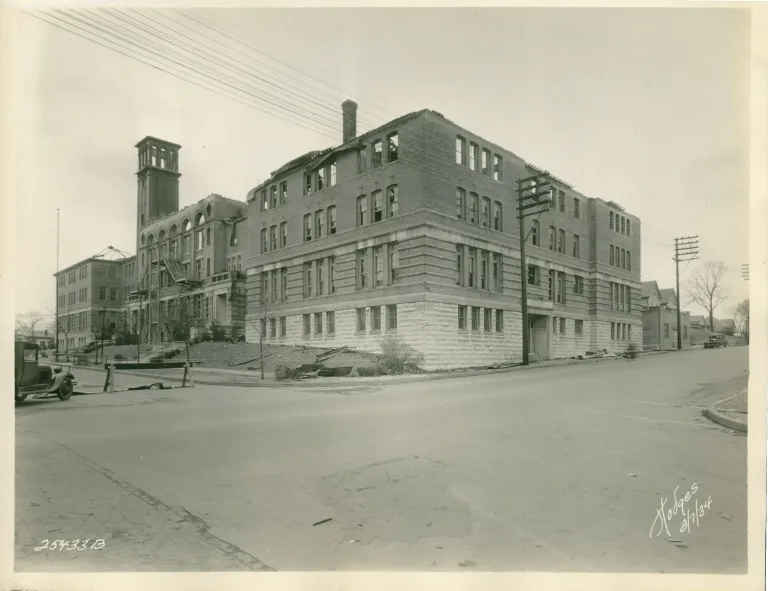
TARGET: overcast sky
(647,108)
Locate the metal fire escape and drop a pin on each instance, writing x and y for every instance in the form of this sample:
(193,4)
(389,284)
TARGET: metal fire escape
(149,290)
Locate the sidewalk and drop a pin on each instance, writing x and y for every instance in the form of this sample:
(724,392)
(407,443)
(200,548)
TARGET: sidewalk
(210,376)
(61,495)
(731,412)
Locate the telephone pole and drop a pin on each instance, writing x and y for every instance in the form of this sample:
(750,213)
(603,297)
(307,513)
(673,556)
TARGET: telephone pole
(686,249)
(533,198)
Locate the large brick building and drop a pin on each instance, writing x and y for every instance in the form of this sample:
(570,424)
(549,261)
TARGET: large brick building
(410,230)
(190,257)
(407,230)
(92,296)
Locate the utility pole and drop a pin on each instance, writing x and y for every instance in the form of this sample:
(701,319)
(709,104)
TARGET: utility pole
(533,198)
(686,249)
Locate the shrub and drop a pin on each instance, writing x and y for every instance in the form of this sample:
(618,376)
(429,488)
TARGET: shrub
(218,332)
(206,336)
(118,357)
(399,357)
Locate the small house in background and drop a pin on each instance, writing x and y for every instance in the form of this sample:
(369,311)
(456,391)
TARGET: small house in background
(660,318)
(699,330)
(43,339)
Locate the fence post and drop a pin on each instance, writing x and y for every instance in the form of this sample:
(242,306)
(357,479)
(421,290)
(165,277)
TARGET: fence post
(188,376)
(111,377)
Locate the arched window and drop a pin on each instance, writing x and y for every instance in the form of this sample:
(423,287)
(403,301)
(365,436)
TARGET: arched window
(199,219)
(186,226)
(208,210)
(173,246)
(161,236)
(143,240)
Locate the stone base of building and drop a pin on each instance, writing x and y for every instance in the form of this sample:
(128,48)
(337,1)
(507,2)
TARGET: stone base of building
(432,329)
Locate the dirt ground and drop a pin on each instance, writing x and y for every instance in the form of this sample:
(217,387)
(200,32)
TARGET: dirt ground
(242,356)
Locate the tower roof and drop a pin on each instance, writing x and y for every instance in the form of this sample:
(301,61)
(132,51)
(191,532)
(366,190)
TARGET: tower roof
(150,138)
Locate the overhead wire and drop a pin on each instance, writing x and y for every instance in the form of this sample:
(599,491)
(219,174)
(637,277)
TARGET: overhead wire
(342,91)
(111,45)
(290,91)
(317,124)
(149,45)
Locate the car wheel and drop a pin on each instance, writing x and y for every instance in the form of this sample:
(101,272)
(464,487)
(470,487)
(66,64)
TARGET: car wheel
(65,390)
(19,396)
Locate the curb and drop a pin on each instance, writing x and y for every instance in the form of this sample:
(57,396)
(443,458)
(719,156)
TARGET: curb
(718,417)
(325,382)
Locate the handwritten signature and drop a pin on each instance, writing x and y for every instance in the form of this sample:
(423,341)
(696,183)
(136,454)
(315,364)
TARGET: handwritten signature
(681,509)
(78,545)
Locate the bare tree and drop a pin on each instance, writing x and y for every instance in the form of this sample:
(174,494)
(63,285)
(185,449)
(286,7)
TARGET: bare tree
(179,320)
(259,322)
(741,319)
(27,323)
(65,325)
(705,287)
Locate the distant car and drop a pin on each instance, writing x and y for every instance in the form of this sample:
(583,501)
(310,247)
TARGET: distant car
(716,340)
(39,379)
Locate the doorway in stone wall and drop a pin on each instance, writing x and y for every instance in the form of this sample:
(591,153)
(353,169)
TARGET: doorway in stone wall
(221,308)
(539,335)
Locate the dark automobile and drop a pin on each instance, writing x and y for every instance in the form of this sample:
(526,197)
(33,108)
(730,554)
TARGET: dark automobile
(39,379)
(716,340)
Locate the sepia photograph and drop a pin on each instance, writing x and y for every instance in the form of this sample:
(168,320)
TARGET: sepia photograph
(431,290)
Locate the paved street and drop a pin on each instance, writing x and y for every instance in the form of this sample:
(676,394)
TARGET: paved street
(561,468)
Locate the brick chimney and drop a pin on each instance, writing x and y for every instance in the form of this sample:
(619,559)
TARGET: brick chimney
(349,120)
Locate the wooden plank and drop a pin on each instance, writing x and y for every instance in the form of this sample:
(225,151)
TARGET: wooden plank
(158,365)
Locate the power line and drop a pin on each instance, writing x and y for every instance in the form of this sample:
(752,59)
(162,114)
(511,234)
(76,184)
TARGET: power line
(318,124)
(148,45)
(126,52)
(305,75)
(310,100)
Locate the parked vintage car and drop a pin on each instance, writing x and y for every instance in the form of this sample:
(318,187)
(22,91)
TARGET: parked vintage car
(716,340)
(39,379)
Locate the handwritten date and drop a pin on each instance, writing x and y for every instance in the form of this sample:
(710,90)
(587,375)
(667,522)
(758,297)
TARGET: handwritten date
(70,545)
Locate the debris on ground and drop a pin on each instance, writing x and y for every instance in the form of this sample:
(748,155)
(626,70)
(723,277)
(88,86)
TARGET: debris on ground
(322,521)
(231,364)
(334,372)
(328,354)
(633,475)
(158,385)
